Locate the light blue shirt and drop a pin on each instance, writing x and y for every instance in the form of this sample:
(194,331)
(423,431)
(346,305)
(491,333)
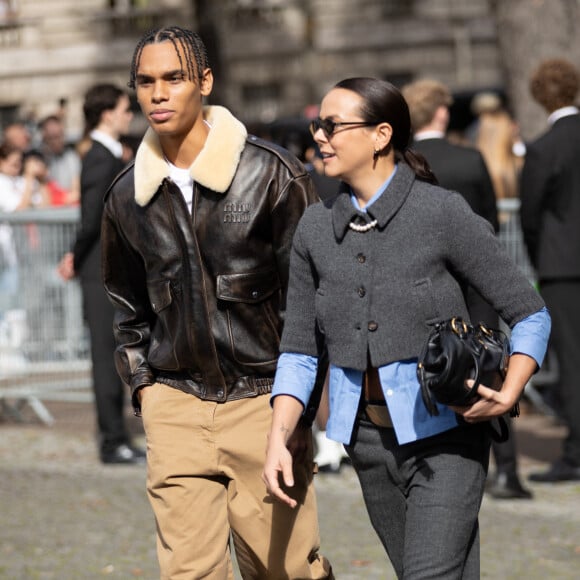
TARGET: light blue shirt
(296,373)
(376,196)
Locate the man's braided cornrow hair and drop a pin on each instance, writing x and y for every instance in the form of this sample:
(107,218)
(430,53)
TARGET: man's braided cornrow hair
(191,44)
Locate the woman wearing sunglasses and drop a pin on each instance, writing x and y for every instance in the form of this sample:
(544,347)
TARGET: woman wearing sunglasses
(371,270)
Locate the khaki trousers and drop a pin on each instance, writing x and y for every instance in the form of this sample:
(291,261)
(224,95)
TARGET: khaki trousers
(205,461)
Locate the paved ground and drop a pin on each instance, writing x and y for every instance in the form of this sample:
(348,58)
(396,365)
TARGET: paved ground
(64,516)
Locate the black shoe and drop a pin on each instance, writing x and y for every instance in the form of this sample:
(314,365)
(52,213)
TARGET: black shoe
(560,470)
(508,486)
(123,454)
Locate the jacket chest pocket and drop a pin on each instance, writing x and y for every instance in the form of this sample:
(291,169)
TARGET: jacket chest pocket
(249,303)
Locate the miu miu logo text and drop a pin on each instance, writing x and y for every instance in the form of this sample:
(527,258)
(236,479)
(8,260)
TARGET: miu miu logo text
(237,213)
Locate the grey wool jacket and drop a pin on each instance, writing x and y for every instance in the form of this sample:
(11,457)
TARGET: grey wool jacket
(374,295)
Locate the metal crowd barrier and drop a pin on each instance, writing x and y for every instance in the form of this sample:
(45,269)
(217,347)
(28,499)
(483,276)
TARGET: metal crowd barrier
(510,234)
(44,344)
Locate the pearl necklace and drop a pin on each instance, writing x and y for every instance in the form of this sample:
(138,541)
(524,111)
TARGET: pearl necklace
(362,228)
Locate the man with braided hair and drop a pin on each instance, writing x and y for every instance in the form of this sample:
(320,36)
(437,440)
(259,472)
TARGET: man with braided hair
(196,243)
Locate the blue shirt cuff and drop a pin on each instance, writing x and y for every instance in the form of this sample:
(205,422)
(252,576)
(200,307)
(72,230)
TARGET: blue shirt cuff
(530,335)
(295,376)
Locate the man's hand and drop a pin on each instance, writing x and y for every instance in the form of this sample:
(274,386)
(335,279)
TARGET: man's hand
(66,268)
(140,394)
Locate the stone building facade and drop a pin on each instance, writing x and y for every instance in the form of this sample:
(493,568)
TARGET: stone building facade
(272,58)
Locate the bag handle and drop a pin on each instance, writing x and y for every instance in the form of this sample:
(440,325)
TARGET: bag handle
(426,393)
(503,434)
(427,396)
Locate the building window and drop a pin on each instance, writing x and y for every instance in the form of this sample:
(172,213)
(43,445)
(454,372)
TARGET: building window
(392,8)
(131,17)
(262,102)
(9,23)
(252,14)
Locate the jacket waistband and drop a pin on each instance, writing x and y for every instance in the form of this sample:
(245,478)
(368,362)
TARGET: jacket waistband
(240,388)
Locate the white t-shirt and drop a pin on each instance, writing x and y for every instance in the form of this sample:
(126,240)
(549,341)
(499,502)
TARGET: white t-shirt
(184,181)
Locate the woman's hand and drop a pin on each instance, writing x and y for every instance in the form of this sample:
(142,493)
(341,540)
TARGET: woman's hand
(278,462)
(300,443)
(494,403)
(278,465)
(491,404)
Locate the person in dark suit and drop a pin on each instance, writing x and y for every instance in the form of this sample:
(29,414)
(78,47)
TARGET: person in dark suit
(107,116)
(550,216)
(463,169)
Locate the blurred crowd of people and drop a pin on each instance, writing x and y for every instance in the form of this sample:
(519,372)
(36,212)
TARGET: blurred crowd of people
(38,166)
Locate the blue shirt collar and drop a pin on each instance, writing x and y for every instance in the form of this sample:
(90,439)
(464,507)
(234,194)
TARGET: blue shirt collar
(376,196)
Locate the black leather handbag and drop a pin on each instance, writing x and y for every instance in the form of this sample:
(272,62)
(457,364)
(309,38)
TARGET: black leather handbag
(456,351)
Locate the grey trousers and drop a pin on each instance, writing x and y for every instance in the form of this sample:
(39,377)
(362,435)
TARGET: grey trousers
(423,498)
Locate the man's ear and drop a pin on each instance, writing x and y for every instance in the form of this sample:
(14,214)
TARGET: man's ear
(105,117)
(206,82)
(441,117)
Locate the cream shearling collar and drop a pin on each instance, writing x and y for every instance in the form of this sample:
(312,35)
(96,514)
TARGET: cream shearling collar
(213,168)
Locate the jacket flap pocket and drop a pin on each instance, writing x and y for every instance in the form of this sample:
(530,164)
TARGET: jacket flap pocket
(247,287)
(159,294)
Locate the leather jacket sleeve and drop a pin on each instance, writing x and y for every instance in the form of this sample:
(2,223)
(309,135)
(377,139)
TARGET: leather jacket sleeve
(286,214)
(124,280)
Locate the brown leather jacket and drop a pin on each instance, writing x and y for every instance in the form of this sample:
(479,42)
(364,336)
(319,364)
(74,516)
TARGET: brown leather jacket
(199,298)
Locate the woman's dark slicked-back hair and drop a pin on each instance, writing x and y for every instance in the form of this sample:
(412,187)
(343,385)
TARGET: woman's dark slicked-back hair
(192,47)
(384,103)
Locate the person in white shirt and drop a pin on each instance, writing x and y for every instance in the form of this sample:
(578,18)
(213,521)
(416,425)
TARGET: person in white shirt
(19,189)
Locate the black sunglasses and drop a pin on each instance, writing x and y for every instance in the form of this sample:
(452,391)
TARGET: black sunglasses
(329,126)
